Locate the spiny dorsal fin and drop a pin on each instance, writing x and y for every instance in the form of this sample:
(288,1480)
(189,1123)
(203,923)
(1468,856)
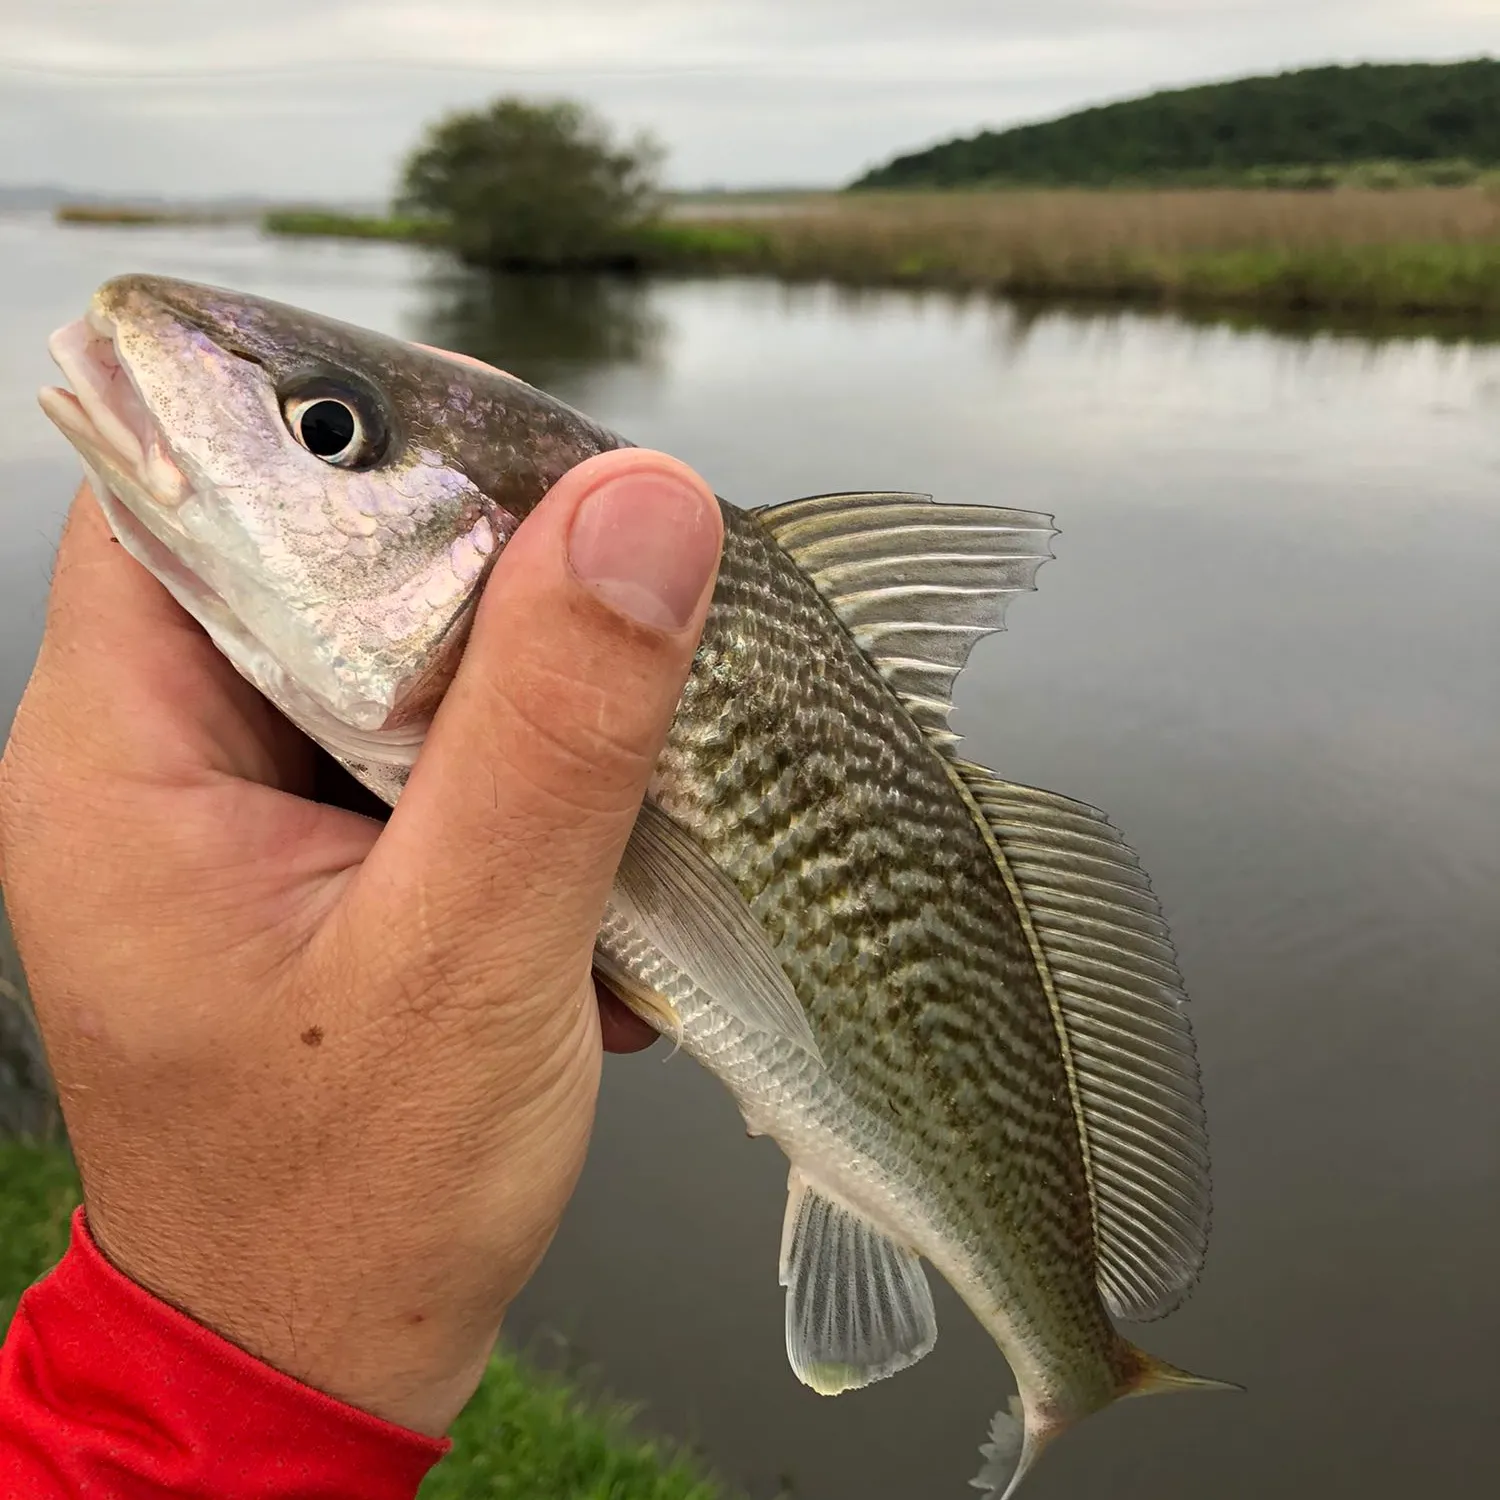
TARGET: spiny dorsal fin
(914,582)
(1114,973)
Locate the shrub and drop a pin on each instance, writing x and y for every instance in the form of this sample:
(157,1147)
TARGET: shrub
(524,185)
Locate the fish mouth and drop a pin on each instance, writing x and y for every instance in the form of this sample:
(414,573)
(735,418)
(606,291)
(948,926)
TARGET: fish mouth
(104,409)
(131,470)
(144,493)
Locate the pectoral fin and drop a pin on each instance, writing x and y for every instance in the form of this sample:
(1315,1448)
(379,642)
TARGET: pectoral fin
(685,912)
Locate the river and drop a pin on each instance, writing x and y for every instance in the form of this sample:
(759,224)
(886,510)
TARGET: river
(1268,648)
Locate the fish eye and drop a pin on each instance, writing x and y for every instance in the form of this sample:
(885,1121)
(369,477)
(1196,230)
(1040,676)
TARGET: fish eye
(336,421)
(329,428)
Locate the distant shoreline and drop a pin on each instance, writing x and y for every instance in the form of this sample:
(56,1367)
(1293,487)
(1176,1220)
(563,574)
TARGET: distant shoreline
(1410,252)
(105,213)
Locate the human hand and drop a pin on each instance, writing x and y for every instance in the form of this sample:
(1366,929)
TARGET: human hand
(330,1083)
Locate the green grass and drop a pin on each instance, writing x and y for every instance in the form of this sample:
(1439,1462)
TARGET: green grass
(1414,278)
(525,1436)
(38,1193)
(1393,278)
(316,223)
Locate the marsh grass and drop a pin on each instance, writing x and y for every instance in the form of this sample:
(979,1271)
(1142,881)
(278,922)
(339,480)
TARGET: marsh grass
(1427,249)
(525,1434)
(1419,250)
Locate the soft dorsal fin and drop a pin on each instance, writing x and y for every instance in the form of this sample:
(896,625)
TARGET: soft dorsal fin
(915,583)
(1113,973)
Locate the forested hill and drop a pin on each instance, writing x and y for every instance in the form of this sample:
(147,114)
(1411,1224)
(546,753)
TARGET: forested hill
(1372,112)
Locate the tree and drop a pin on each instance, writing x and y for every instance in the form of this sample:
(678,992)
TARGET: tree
(1385,112)
(526,185)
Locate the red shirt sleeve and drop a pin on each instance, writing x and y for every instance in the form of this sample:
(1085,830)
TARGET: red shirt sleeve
(108,1393)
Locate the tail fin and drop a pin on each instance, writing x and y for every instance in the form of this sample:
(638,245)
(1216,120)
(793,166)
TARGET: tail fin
(1016,1442)
(1149,1376)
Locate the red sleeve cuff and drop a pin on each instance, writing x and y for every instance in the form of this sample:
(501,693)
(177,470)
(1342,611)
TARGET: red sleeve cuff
(106,1391)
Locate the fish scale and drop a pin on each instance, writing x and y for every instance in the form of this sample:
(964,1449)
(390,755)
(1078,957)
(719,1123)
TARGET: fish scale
(952,1001)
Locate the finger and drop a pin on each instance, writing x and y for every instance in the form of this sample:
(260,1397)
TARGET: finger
(619,1027)
(507,836)
(465,359)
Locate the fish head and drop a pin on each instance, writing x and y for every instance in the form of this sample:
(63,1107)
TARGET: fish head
(326,501)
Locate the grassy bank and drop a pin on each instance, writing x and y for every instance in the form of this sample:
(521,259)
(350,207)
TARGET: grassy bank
(107,213)
(38,1193)
(1419,250)
(1423,250)
(28,1108)
(525,1434)
(315,223)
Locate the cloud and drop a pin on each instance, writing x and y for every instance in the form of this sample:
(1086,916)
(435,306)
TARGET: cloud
(321,97)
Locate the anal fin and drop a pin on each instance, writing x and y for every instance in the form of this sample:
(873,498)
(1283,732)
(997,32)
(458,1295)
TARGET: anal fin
(1005,1453)
(858,1307)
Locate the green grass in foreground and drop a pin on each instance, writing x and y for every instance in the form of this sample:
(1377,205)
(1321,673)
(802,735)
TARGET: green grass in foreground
(524,1436)
(38,1193)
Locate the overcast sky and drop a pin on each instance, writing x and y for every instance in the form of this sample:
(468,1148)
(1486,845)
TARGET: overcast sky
(320,98)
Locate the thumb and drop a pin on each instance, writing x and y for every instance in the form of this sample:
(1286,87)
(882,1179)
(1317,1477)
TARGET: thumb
(503,847)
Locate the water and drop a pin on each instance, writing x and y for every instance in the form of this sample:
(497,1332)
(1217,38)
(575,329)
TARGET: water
(1268,648)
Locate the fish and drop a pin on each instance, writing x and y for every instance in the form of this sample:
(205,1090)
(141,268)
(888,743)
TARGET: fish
(950,999)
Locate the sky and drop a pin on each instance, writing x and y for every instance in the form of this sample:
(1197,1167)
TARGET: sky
(320,99)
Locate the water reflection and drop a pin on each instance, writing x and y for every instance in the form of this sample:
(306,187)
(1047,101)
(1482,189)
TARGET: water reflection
(552,331)
(1266,648)
(1305,326)
(1016,318)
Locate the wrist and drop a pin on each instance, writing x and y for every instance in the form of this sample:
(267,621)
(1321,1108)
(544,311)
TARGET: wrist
(383,1348)
(106,1389)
